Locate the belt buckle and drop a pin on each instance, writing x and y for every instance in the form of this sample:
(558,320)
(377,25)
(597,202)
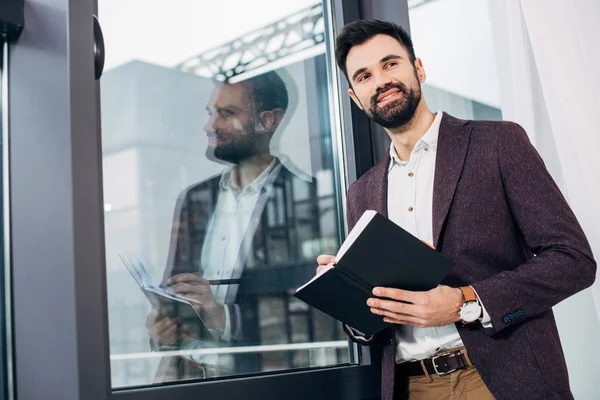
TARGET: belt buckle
(435,368)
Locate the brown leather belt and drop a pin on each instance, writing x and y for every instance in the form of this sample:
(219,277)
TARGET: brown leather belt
(440,364)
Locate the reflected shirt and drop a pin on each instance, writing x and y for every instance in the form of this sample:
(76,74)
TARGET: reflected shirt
(228,245)
(230,233)
(410,205)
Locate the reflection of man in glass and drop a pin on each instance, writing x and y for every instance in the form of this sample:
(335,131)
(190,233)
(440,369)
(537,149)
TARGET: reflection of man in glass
(221,229)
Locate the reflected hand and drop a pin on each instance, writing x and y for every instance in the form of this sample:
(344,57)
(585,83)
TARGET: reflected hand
(192,286)
(436,307)
(324,260)
(165,330)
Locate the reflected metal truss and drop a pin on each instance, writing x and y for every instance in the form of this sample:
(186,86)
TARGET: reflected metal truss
(417,3)
(290,35)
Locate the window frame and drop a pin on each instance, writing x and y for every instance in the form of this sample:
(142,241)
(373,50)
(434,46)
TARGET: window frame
(61,338)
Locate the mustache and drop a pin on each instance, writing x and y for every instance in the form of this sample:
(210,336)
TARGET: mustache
(400,86)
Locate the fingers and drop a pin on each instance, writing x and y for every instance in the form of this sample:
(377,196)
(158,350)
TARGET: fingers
(325,259)
(153,317)
(187,278)
(400,295)
(322,267)
(392,306)
(164,330)
(189,288)
(401,318)
(164,325)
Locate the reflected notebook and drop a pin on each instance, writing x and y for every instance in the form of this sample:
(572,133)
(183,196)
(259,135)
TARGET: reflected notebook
(377,252)
(161,298)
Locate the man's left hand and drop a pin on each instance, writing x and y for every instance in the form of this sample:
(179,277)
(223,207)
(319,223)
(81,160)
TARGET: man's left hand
(436,307)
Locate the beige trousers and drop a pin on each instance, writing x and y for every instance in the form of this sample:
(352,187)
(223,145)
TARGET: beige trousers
(464,384)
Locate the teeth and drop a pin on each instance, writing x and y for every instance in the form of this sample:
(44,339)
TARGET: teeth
(388,96)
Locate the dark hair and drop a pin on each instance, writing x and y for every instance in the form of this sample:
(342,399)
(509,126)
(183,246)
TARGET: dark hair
(268,91)
(358,32)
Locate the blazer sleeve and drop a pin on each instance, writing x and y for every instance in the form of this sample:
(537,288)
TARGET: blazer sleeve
(563,263)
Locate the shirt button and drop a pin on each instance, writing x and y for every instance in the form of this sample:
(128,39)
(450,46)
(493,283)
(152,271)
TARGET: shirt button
(426,149)
(410,209)
(411,174)
(224,238)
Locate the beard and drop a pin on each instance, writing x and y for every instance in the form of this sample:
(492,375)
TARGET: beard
(232,151)
(399,112)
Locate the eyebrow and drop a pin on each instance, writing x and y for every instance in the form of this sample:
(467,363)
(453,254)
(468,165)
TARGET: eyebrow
(226,108)
(384,59)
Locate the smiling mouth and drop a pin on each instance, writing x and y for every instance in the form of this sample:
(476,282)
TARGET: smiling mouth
(386,97)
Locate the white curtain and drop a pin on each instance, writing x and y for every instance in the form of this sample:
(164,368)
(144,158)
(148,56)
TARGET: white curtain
(548,58)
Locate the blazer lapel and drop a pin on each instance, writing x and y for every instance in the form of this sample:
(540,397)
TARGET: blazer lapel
(453,142)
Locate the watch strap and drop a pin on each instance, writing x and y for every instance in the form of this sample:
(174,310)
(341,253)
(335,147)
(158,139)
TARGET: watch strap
(468,294)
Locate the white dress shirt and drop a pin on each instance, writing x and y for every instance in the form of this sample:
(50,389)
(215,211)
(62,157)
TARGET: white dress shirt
(410,205)
(227,246)
(231,229)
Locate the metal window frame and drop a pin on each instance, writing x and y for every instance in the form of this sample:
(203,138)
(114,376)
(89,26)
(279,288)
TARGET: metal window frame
(60,321)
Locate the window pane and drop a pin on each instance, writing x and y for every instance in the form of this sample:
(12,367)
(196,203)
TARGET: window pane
(218,174)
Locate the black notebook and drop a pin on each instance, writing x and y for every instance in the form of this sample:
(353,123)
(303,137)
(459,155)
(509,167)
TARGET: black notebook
(377,252)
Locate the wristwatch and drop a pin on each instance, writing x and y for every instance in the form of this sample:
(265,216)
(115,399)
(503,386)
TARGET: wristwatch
(471,309)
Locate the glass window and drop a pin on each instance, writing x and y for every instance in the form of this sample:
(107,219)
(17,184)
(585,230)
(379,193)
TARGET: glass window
(219,188)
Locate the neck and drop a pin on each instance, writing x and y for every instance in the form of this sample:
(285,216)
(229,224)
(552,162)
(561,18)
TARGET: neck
(247,170)
(406,137)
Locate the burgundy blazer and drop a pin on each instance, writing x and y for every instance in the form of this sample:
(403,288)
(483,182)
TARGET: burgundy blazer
(499,215)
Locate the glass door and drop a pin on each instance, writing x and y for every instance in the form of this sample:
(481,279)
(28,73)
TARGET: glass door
(221,186)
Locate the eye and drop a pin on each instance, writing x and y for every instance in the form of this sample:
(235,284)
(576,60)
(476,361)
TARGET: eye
(391,64)
(225,113)
(363,77)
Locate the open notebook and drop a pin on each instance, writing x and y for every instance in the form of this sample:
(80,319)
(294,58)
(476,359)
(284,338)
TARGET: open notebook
(377,252)
(161,298)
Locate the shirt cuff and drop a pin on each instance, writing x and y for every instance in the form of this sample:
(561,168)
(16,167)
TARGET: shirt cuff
(485,320)
(226,334)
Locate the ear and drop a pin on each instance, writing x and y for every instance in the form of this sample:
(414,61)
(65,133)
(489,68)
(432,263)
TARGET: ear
(420,70)
(271,119)
(355,99)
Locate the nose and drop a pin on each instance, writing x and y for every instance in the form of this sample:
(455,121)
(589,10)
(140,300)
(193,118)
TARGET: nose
(209,126)
(381,80)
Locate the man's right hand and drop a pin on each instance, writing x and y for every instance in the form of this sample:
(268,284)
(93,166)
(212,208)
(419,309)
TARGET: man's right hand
(165,330)
(324,260)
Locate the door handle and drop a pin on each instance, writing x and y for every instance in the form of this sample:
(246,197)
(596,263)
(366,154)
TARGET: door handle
(98,49)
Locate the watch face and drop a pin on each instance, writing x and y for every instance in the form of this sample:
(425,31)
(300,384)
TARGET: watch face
(470,311)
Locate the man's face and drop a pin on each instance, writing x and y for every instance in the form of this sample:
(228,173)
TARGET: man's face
(385,83)
(231,125)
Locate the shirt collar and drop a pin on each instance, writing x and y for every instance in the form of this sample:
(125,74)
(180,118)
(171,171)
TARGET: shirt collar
(254,187)
(429,139)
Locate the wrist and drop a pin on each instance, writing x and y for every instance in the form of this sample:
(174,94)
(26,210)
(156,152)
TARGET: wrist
(460,300)
(215,316)
(470,310)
